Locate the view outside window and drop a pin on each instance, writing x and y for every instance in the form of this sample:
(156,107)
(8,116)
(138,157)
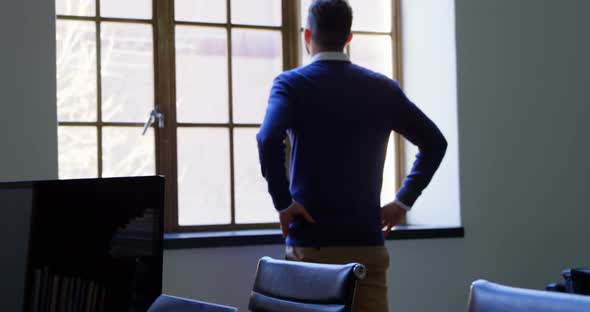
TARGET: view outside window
(223,75)
(105,89)
(226,54)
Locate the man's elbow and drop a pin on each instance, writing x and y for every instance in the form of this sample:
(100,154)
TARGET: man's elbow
(267,142)
(259,138)
(443,143)
(263,140)
(441,146)
(436,148)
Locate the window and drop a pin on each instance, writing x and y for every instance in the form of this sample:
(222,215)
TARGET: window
(105,87)
(207,65)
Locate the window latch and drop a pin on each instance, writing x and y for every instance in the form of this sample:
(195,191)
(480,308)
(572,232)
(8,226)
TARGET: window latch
(155,115)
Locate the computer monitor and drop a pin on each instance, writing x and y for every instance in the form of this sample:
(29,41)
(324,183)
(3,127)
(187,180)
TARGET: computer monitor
(87,245)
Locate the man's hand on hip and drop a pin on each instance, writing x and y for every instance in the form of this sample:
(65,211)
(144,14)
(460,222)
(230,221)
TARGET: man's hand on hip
(391,215)
(287,216)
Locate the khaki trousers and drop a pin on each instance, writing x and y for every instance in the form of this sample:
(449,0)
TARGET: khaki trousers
(371,292)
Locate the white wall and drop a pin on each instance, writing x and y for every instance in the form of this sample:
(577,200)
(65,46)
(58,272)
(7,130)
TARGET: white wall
(28,132)
(220,275)
(522,108)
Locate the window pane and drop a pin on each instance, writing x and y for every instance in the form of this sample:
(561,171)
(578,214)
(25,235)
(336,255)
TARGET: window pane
(373,52)
(389,189)
(75,7)
(253,203)
(201,11)
(256,12)
(125,152)
(126,8)
(371,15)
(203,176)
(304,6)
(76,70)
(257,60)
(77,151)
(201,74)
(127,72)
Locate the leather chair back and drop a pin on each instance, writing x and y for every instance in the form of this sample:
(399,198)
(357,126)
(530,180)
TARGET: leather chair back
(490,297)
(289,286)
(166,303)
(577,281)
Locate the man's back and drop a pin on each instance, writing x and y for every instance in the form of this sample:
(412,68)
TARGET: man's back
(339,117)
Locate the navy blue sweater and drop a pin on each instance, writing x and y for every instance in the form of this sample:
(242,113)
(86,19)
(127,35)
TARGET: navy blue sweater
(338,117)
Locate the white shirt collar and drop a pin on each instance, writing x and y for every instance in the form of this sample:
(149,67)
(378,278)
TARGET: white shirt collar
(330,56)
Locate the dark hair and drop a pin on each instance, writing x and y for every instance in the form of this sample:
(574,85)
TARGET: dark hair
(329,22)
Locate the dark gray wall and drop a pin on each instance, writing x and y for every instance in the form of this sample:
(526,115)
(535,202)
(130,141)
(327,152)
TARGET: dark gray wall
(28,132)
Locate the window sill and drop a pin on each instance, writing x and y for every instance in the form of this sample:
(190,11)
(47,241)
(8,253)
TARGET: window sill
(273,237)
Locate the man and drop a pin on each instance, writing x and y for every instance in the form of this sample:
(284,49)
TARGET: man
(338,117)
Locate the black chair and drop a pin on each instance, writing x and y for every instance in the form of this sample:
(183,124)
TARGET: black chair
(289,286)
(166,303)
(577,281)
(490,297)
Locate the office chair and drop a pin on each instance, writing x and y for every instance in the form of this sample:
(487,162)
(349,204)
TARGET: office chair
(490,297)
(166,303)
(577,281)
(290,286)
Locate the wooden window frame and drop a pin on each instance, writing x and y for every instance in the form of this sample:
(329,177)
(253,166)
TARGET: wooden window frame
(167,164)
(163,25)
(99,124)
(291,28)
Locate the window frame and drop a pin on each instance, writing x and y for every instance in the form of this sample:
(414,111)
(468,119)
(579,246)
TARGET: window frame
(166,154)
(99,124)
(291,33)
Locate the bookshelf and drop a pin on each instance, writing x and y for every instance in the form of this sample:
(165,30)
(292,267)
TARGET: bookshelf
(95,245)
